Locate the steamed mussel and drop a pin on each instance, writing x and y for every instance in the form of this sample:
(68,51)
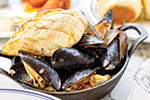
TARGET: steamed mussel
(90,62)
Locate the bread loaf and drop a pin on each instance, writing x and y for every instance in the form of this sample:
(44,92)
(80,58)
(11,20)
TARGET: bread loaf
(146,4)
(47,32)
(124,10)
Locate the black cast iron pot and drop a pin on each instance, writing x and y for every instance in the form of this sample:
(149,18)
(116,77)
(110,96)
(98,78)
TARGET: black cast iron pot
(101,90)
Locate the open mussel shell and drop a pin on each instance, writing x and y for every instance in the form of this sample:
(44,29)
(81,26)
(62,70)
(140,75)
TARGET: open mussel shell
(114,54)
(123,41)
(18,72)
(90,44)
(105,25)
(91,30)
(74,82)
(102,27)
(110,36)
(111,54)
(34,64)
(109,18)
(120,52)
(89,40)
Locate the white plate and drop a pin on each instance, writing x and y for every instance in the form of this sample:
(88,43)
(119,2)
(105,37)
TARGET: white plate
(22,94)
(91,11)
(14,8)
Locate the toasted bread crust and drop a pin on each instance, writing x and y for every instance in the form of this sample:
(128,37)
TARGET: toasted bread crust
(47,32)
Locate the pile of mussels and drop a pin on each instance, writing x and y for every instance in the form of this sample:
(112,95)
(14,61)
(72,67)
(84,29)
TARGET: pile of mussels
(92,61)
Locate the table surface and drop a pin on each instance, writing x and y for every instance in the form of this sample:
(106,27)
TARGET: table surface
(122,90)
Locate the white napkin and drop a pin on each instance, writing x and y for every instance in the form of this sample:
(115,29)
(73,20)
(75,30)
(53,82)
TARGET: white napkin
(141,89)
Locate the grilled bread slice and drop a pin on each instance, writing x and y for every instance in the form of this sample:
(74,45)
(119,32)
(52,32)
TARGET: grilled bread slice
(47,32)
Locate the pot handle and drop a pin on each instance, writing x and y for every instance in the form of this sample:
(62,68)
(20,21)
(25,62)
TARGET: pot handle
(3,72)
(140,30)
